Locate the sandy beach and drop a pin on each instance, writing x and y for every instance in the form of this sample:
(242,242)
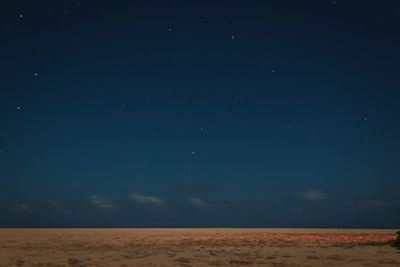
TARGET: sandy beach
(197,247)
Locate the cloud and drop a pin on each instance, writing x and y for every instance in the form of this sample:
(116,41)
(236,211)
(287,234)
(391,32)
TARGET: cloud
(313,195)
(146,200)
(22,208)
(59,207)
(102,202)
(197,202)
(56,204)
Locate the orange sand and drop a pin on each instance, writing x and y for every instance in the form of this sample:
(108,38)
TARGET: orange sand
(196,247)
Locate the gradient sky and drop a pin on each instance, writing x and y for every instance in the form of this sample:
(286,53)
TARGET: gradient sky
(199,113)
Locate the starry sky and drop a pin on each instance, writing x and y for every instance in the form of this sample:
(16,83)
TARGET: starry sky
(199,113)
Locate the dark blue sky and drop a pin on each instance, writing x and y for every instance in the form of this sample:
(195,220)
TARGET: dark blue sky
(200,113)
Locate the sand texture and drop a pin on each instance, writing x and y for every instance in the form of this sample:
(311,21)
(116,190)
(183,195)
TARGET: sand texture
(196,247)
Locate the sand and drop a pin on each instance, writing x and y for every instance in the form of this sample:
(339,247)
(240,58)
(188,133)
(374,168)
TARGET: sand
(197,247)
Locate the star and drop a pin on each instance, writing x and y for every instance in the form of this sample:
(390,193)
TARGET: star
(193,153)
(35,74)
(233,37)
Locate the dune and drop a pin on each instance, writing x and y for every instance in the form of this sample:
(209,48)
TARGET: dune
(197,247)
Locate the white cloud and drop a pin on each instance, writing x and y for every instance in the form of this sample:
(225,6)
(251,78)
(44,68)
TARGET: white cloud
(59,207)
(21,208)
(313,195)
(197,202)
(56,204)
(102,202)
(146,200)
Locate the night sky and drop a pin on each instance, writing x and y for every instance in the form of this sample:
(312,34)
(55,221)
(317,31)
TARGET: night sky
(199,113)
